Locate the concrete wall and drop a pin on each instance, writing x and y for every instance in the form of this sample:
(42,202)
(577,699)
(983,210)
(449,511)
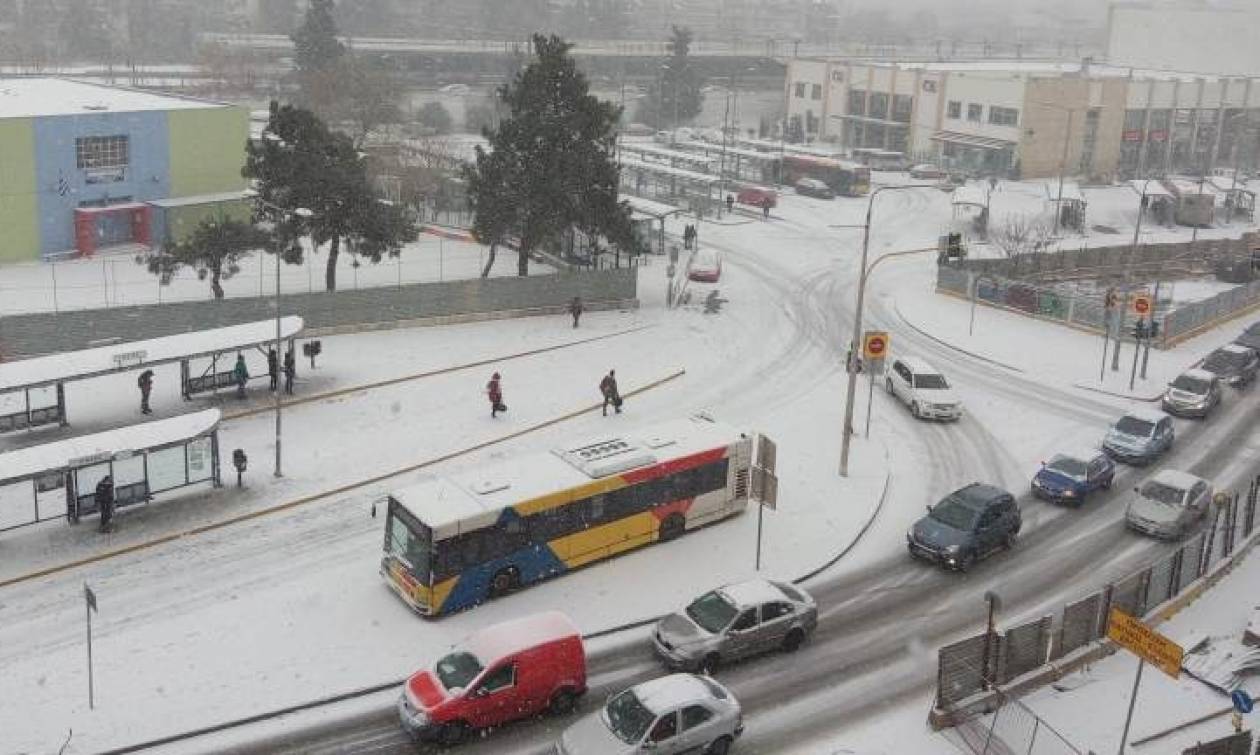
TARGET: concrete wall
(426,303)
(1052,104)
(19,205)
(145,178)
(207,150)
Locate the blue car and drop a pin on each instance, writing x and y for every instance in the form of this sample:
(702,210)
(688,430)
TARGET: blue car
(1070,477)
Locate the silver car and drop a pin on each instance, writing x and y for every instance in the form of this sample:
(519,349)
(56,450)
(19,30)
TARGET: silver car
(672,714)
(733,622)
(1195,393)
(1168,504)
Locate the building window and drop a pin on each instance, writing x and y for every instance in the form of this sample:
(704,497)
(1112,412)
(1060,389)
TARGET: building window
(974,112)
(954,110)
(901,106)
(800,90)
(815,92)
(101,152)
(879,105)
(1003,116)
(857,102)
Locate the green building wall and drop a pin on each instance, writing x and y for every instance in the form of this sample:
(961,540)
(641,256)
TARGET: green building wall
(181,222)
(207,150)
(19,205)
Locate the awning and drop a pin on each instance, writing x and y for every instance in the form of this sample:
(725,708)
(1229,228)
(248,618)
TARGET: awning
(110,208)
(199,199)
(970,195)
(971,140)
(869,119)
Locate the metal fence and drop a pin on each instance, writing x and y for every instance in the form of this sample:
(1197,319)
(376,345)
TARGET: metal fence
(983,663)
(1026,283)
(1234,744)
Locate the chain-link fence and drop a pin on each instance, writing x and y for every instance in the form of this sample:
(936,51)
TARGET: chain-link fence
(981,664)
(1234,744)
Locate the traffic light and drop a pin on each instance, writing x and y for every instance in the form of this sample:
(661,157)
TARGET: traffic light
(1154,329)
(1110,299)
(1139,330)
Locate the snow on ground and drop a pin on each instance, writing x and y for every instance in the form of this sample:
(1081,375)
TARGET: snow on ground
(116,280)
(1162,702)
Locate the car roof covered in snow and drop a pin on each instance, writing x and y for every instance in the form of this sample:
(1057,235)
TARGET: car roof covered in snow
(668,693)
(1198,374)
(918,366)
(511,637)
(1079,453)
(754,592)
(1146,415)
(542,480)
(1235,348)
(1177,479)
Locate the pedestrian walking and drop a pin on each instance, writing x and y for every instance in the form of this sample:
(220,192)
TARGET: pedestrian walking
(765,207)
(145,381)
(494,391)
(105,502)
(273,368)
(689,236)
(290,371)
(575,309)
(730,202)
(608,387)
(240,373)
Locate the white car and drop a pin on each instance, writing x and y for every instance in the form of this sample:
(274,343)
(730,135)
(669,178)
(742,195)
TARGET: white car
(923,388)
(671,715)
(1169,504)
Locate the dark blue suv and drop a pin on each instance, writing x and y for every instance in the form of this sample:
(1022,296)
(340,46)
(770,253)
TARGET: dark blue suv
(1070,477)
(966,526)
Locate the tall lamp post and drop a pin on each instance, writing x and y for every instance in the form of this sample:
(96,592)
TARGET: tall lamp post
(856,343)
(305,214)
(1067,142)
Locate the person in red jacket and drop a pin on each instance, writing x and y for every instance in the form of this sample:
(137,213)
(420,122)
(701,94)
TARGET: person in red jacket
(495,392)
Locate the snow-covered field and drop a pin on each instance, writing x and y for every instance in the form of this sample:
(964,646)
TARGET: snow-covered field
(288,607)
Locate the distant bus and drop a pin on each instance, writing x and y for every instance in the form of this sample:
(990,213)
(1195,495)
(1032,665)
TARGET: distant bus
(454,542)
(844,178)
(880,159)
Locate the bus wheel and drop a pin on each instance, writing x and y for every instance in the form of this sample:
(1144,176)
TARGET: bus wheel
(673,527)
(504,582)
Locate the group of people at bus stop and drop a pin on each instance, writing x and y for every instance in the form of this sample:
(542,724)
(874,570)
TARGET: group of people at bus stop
(240,376)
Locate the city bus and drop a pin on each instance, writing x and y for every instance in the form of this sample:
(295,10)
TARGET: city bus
(844,178)
(453,542)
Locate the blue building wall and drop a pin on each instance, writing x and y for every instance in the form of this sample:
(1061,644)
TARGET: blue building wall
(62,187)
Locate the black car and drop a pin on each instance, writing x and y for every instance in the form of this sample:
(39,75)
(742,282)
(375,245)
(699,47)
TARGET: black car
(812,187)
(1234,364)
(1250,337)
(966,526)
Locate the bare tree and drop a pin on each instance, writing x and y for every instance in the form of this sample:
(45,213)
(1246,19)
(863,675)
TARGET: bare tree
(1020,234)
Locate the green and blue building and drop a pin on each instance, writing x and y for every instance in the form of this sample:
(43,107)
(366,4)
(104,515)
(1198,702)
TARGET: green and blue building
(85,167)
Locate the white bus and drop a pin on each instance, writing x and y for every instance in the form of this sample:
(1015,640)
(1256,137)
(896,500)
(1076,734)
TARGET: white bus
(453,542)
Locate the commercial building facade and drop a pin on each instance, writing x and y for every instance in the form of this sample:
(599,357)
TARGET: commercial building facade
(1029,118)
(84,167)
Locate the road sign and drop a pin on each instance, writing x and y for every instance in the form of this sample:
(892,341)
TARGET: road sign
(1242,701)
(1141,304)
(1144,642)
(875,344)
(765,488)
(767,454)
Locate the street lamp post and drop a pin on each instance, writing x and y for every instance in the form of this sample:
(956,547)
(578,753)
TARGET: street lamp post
(855,344)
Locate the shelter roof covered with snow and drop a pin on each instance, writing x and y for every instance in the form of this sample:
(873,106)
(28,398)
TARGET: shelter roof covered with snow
(970,195)
(37,96)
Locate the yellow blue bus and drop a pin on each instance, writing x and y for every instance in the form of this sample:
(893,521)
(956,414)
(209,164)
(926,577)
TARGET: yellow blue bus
(454,542)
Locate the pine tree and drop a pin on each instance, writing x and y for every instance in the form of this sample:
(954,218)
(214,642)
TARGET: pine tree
(675,97)
(214,251)
(319,57)
(550,167)
(299,162)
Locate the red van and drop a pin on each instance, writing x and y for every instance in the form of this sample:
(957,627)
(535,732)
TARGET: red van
(508,671)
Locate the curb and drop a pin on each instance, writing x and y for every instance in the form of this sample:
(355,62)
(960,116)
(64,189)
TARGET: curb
(1114,394)
(365,691)
(467,317)
(948,345)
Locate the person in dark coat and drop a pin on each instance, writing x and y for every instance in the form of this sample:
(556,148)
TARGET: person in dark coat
(494,391)
(145,382)
(730,202)
(765,207)
(273,368)
(575,309)
(608,387)
(105,502)
(240,373)
(290,371)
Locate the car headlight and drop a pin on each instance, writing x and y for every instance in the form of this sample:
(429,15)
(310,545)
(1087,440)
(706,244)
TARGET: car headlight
(1068,493)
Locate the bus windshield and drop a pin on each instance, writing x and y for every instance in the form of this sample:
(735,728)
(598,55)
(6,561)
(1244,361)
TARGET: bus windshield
(410,543)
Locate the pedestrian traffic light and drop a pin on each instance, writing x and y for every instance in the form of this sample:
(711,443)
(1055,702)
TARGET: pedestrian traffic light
(1139,330)
(1153,330)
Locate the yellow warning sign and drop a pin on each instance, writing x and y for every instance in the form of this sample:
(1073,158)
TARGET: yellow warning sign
(1144,642)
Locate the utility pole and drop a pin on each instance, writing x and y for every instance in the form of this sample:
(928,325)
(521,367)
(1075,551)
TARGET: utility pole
(1067,140)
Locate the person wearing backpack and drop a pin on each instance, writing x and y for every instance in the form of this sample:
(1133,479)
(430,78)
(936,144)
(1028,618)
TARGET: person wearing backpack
(145,382)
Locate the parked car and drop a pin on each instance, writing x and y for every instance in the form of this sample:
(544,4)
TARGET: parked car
(1139,437)
(673,714)
(923,388)
(812,187)
(734,622)
(1169,504)
(1193,393)
(927,171)
(457,89)
(504,672)
(1250,337)
(757,196)
(705,267)
(966,526)
(1234,364)
(1071,477)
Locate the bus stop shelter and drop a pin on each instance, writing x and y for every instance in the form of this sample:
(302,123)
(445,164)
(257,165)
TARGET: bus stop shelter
(698,191)
(32,391)
(653,212)
(1069,203)
(58,479)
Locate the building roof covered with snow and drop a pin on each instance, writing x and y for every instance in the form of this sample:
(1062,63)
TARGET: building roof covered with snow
(42,96)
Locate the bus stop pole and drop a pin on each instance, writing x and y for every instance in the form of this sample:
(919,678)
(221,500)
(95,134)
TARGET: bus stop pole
(279,367)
